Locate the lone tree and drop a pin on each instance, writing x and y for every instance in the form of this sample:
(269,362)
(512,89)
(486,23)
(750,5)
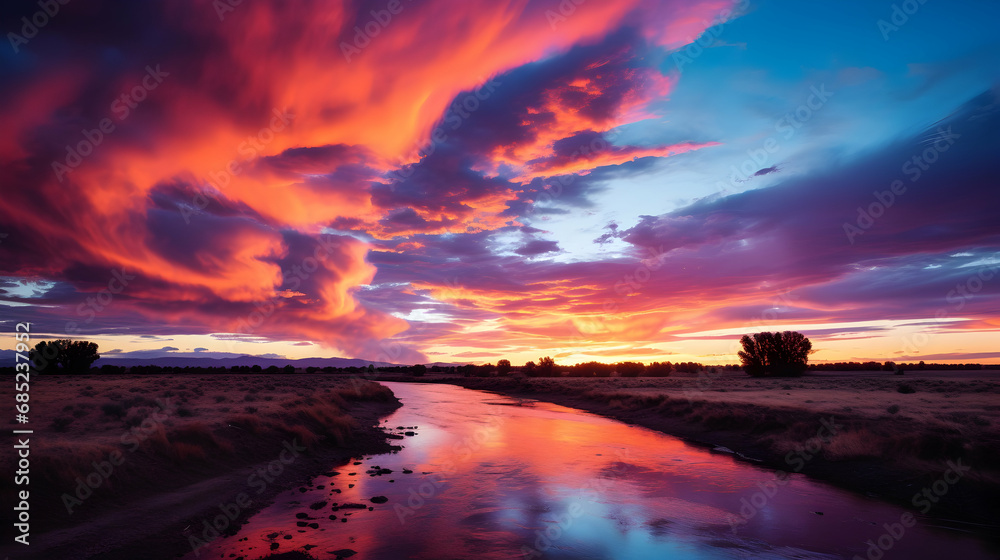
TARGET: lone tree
(777,354)
(503,367)
(64,356)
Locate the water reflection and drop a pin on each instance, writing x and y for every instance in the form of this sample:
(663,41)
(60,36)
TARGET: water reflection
(489,477)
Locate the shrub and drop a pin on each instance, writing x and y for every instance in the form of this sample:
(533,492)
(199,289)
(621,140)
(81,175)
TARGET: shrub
(905,389)
(893,409)
(62,423)
(114,410)
(657,369)
(188,451)
(246,422)
(630,369)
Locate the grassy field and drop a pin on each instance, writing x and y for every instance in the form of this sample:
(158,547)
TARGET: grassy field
(146,445)
(895,433)
(905,419)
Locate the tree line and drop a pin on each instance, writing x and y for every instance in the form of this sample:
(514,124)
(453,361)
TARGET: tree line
(764,354)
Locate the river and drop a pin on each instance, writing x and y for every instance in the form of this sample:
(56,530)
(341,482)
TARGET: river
(495,477)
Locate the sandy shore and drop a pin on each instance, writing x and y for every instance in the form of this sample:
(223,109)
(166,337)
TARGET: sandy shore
(888,444)
(161,453)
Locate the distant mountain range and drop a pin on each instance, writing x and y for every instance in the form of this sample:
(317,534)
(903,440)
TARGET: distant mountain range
(245,360)
(7,360)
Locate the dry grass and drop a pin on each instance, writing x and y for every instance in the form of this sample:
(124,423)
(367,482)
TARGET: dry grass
(61,463)
(82,420)
(858,444)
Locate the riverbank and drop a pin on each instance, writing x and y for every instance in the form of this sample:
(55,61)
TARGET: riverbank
(894,436)
(124,465)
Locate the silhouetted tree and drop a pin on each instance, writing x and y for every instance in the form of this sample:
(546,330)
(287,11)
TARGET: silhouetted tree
(529,369)
(45,357)
(418,370)
(688,367)
(657,369)
(546,367)
(77,356)
(780,354)
(503,367)
(64,356)
(630,369)
(593,369)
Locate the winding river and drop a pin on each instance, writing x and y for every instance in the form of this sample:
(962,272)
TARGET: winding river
(492,477)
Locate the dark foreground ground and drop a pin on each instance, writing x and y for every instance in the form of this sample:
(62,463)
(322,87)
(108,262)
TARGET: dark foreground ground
(163,452)
(186,444)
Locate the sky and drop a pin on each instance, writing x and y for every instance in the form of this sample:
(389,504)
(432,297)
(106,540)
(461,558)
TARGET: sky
(440,181)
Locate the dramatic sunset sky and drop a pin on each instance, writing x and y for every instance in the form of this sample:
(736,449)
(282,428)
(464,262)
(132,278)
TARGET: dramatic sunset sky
(481,179)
